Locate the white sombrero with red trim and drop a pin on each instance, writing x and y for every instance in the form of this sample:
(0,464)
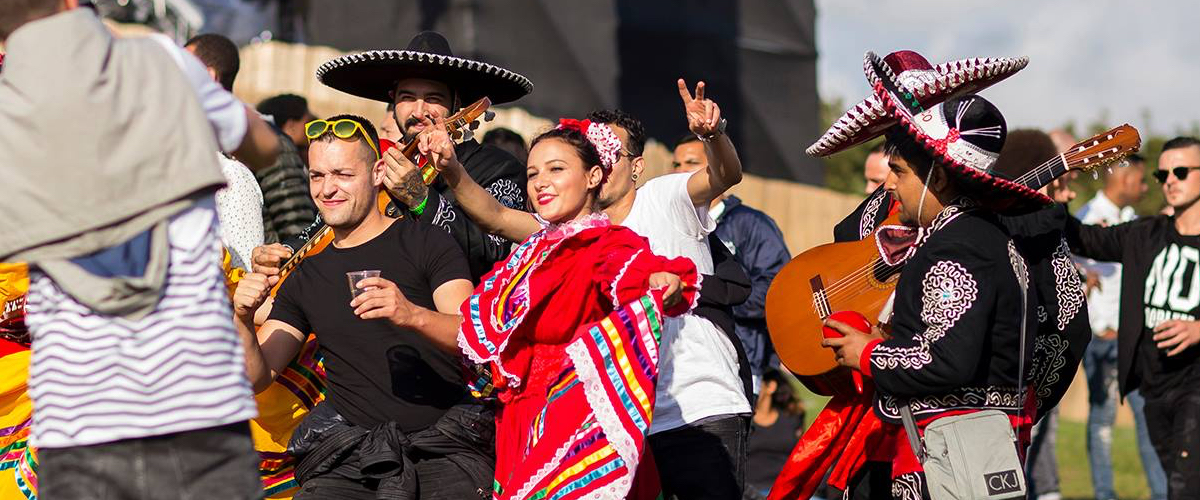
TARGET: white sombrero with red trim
(917,81)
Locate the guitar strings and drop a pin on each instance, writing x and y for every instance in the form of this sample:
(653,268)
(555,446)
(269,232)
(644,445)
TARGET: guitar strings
(855,280)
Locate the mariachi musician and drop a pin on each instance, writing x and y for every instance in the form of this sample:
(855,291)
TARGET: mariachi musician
(932,357)
(426,81)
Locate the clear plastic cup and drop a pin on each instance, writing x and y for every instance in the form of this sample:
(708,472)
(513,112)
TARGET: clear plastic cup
(355,276)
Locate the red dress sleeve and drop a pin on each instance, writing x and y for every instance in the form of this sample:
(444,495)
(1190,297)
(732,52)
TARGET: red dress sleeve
(626,263)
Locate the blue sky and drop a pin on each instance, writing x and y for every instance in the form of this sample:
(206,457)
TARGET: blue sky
(1120,61)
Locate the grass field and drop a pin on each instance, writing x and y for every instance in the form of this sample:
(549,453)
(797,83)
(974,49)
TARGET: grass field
(1076,476)
(1074,473)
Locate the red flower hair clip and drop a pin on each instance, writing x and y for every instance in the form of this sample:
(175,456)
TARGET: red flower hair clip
(600,135)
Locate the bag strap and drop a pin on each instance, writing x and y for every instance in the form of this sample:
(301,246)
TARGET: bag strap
(910,423)
(910,428)
(1021,355)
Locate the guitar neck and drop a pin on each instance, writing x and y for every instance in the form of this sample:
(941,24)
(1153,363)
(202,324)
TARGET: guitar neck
(301,252)
(1044,174)
(1099,151)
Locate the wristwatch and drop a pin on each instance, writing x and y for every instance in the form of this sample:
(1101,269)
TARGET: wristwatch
(720,130)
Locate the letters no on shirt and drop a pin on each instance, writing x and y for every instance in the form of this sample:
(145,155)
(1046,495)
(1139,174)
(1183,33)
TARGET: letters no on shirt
(1173,285)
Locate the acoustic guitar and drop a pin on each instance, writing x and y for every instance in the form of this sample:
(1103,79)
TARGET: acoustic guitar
(460,126)
(851,276)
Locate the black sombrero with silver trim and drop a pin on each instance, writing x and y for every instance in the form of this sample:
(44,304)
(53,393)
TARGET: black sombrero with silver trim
(373,74)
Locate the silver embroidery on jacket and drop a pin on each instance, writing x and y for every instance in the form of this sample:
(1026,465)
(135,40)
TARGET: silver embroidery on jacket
(1067,284)
(948,291)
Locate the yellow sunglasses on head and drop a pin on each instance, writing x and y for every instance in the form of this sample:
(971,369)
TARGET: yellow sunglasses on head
(342,129)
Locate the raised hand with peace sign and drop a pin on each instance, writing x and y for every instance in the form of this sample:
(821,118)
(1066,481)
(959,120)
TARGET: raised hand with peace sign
(703,115)
(724,168)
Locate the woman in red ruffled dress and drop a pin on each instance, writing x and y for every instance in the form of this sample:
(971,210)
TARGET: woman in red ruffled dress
(566,328)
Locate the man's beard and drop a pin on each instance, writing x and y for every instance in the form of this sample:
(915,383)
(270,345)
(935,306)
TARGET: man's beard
(406,129)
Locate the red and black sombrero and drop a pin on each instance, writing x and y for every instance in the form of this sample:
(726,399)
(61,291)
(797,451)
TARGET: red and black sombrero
(924,83)
(373,74)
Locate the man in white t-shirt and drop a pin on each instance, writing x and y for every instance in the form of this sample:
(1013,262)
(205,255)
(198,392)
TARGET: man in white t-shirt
(701,416)
(137,376)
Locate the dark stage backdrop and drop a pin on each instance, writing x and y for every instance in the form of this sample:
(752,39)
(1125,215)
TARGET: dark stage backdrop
(758,58)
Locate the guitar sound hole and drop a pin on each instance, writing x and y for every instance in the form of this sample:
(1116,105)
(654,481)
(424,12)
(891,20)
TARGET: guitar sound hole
(884,274)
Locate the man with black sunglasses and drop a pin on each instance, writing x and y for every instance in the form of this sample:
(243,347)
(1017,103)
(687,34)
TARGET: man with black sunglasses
(1112,205)
(1181,173)
(1160,304)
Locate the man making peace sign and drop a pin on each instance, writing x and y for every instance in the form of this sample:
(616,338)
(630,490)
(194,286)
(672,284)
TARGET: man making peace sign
(701,412)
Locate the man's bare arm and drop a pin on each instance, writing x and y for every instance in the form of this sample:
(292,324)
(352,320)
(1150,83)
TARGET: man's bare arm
(491,215)
(268,351)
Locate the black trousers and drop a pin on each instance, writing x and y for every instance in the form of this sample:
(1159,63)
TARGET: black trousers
(706,460)
(209,463)
(1173,419)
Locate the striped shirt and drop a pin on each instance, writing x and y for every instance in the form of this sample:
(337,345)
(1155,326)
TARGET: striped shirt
(96,379)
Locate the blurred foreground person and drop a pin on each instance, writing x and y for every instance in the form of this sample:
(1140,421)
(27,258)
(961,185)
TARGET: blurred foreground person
(136,365)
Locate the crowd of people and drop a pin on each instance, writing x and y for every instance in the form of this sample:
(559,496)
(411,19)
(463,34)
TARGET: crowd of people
(256,302)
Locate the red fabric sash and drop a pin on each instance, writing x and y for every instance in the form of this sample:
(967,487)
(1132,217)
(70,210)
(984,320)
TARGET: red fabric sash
(837,439)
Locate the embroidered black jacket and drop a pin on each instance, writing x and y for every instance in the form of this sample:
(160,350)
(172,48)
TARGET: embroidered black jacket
(956,322)
(1063,331)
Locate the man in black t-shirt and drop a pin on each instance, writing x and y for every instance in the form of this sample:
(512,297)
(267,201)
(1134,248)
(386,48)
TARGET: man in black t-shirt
(388,386)
(1160,307)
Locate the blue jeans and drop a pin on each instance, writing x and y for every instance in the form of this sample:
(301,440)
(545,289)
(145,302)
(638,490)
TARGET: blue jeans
(1100,367)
